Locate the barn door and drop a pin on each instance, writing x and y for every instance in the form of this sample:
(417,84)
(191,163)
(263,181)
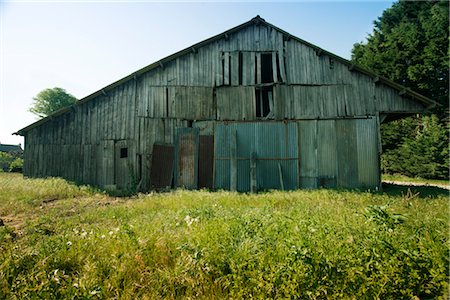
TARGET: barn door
(206,161)
(124,172)
(162,166)
(186,158)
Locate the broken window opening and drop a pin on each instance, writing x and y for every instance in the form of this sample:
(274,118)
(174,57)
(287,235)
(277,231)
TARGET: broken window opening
(266,68)
(229,71)
(240,66)
(167,102)
(123,152)
(279,79)
(264,102)
(331,60)
(256,69)
(223,69)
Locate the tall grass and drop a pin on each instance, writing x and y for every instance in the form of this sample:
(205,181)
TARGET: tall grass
(199,244)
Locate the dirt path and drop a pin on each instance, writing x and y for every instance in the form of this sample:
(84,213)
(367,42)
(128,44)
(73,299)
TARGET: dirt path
(406,183)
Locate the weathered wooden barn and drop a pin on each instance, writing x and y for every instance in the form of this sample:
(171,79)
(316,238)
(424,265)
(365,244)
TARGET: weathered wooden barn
(253,108)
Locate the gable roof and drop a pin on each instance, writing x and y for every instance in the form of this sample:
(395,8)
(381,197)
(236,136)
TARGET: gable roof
(10,148)
(258,21)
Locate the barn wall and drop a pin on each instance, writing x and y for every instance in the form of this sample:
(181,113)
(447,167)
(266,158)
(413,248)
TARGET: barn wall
(219,81)
(305,154)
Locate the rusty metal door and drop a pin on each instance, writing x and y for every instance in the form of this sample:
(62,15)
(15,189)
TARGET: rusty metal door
(186,158)
(162,166)
(206,161)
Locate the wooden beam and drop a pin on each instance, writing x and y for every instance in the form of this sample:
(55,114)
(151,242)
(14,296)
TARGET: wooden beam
(281,177)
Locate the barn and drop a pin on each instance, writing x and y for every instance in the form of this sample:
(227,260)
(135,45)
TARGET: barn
(253,108)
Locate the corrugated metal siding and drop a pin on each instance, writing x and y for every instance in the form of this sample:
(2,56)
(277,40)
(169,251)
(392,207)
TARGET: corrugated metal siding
(326,153)
(307,143)
(273,143)
(368,159)
(347,153)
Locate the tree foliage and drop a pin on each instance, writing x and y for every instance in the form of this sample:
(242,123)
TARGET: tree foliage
(410,45)
(50,100)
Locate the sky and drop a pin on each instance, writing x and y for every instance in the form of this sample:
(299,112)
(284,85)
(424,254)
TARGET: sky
(82,46)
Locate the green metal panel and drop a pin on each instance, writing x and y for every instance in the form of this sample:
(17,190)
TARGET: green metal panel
(368,159)
(275,143)
(347,154)
(307,141)
(326,154)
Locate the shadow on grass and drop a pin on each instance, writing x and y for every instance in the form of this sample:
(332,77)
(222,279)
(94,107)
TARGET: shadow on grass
(423,191)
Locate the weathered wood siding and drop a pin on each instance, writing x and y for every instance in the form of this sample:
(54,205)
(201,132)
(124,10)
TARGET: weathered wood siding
(218,81)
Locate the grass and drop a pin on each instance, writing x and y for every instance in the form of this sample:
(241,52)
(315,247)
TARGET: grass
(67,241)
(402,178)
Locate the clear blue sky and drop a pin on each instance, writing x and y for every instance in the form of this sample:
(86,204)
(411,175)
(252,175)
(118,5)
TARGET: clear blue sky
(83,47)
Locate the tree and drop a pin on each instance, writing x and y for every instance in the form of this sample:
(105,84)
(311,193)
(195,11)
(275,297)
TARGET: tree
(410,45)
(50,100)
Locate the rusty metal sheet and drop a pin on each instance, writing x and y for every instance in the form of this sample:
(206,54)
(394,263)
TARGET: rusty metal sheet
(162,166)
(205,161)
(186,158)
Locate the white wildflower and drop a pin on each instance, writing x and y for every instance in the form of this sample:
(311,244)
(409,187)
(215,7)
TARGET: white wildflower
(75,285)
(103,236)
(111,233)
(83,234)
(69,243)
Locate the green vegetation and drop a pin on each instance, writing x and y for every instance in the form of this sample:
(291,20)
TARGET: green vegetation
(409,45)
(417,180)
(48,101)
(65,241)
(10,163)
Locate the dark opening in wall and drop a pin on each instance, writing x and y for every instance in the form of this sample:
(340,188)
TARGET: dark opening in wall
(279,79)
(266,68)
(167,102)
(331,61)
(240,67)
(264,101)
(123,152)
(223,68)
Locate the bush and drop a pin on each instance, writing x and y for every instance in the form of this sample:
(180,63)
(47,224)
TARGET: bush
(16,165)
(5,161)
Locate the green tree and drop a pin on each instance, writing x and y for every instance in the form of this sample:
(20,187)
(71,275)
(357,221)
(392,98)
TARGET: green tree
(50,100)
(410,45)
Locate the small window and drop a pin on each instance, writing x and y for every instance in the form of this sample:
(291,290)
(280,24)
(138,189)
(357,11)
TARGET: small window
(123,152)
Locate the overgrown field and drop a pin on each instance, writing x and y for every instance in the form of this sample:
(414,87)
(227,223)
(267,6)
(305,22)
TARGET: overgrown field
(65,241)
